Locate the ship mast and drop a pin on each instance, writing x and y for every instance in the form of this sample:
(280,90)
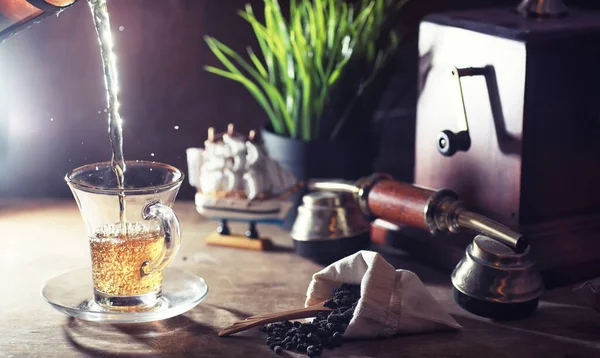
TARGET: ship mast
(211,134)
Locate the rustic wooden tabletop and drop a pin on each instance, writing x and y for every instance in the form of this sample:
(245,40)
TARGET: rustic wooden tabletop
(42,239)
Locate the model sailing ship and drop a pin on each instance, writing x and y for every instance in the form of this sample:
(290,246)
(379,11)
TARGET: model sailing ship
(236,180)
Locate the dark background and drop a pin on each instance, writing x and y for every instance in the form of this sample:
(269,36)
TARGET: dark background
(52,92)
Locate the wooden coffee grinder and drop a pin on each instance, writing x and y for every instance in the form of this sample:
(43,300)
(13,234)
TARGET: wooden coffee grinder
(508,117)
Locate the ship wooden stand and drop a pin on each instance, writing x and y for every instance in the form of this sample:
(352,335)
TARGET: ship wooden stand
(251,240)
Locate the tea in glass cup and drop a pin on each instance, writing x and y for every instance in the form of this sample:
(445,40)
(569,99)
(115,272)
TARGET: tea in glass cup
(117,257)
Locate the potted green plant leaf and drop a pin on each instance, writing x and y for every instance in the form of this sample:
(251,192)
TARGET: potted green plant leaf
(315,77)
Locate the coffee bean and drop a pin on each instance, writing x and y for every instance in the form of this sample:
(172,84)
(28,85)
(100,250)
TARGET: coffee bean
(277,349)
(322,333)
(307,327)
(314,341)
(335,318)
(297,324)
(328,344)
(329,303)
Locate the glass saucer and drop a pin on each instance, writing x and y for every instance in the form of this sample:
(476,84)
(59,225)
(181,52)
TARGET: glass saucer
(72,294)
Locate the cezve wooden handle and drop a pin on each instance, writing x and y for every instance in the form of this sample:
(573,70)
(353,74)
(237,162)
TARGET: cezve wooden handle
(259,320)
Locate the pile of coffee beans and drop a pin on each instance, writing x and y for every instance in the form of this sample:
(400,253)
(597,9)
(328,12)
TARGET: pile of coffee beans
(326,331)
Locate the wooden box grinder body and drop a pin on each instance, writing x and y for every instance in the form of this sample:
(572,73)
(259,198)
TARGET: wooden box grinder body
(526,142)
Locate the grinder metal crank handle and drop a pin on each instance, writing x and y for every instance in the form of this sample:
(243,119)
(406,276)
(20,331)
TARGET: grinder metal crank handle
(435,211)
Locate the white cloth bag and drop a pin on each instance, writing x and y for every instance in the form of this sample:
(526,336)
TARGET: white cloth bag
(392,301)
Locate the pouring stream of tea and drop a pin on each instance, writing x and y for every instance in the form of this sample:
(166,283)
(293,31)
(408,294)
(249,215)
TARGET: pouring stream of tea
(111,79)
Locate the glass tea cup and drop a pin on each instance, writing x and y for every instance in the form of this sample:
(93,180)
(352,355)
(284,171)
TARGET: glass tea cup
(128,256)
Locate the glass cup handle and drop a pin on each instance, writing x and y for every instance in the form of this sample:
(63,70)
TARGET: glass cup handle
(155,210)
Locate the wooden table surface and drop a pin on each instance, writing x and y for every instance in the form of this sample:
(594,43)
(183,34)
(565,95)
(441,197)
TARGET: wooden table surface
(42,239)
